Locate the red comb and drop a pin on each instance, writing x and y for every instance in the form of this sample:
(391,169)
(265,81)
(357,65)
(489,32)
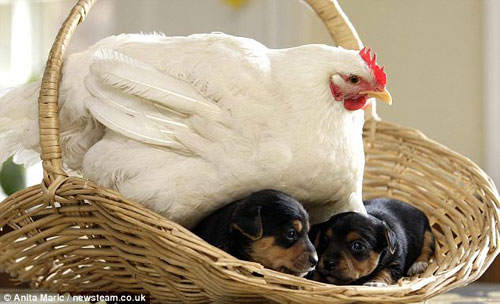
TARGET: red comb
(371,62)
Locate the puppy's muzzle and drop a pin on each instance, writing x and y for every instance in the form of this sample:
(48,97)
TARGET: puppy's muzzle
(307,260)
(329,265)
(329,269)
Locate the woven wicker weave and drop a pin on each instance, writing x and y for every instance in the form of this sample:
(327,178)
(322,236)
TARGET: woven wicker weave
(71,235)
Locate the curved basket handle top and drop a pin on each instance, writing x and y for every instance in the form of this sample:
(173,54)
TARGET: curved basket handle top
(48,110)
(340,28)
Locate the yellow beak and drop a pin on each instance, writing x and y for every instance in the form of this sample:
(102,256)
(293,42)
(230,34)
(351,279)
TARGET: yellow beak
(384,96)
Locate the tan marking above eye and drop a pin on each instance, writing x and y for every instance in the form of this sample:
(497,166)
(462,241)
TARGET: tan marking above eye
(352,236)
(329,233)
(297,224)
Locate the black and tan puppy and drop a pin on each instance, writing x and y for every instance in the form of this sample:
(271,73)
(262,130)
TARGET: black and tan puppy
(393,240)
(268,227)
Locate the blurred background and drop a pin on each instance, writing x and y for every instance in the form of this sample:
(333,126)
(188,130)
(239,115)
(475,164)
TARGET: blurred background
(441,56)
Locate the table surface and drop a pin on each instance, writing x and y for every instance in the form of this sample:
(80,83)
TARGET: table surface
(476,293)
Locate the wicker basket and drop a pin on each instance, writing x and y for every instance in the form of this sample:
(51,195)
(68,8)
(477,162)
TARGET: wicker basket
(71,235)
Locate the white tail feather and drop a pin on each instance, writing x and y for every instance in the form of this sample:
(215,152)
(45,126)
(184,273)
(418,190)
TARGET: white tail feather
(19,124)
(137,78)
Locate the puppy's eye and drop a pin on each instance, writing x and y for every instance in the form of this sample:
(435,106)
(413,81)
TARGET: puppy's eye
(291,234)
(357,246)
(323,240)
(354,79)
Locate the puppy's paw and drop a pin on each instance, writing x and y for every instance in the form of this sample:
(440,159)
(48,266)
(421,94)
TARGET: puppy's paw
(376,284)
(417,268)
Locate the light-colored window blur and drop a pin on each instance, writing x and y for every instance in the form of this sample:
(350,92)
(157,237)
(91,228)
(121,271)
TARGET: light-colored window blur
(491,63)
(433,50)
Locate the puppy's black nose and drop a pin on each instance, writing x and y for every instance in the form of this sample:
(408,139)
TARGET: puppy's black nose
(313,259)
(329,264)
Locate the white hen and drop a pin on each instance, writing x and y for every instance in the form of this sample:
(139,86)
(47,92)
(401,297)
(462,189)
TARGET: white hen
(184,125)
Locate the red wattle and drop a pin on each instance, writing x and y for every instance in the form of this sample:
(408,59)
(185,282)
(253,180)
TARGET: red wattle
(356,104)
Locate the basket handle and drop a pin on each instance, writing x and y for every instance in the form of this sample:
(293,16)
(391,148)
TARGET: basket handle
(340,28)
(48,111)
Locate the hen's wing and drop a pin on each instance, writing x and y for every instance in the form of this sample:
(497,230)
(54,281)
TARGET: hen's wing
(142,103)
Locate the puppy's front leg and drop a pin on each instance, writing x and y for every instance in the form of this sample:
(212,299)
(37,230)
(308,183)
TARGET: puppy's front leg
(426,254)
(381,279)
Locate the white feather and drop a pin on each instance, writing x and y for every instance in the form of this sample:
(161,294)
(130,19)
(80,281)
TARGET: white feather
(19,125)
(129,116)
(138,79)
(138,101)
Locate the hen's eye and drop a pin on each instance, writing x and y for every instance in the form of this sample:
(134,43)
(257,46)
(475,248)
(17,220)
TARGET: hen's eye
(291,234)
(357,246)
(354,79)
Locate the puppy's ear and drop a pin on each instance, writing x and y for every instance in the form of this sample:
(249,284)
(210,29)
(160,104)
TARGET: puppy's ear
(246,219)
(314,234)
(390,238)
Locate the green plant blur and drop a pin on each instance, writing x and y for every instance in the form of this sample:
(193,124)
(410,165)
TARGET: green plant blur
(12,177)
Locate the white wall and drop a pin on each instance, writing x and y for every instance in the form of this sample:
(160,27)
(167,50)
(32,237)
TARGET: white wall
(492,87)
(433,52)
